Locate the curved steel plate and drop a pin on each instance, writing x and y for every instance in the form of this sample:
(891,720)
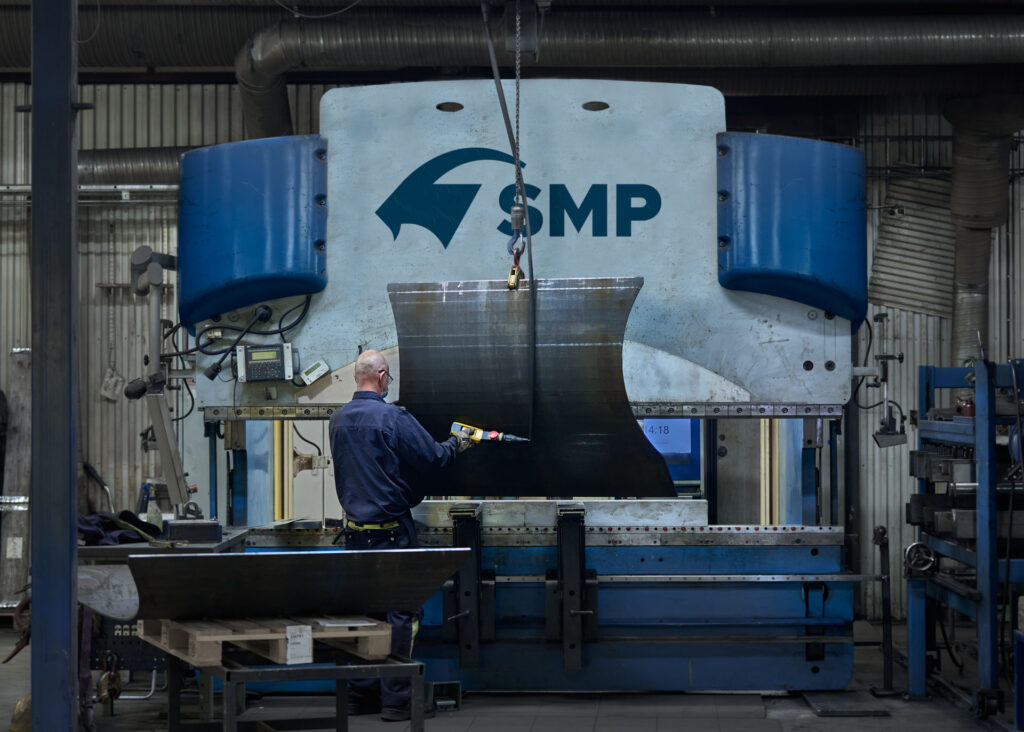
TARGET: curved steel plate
(268,584)
(109,590)
(465,356)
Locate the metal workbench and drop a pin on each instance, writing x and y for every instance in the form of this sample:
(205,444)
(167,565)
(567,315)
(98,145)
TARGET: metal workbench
(233,541)
(234,675)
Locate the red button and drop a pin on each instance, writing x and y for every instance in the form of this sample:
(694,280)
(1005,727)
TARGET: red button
(493,435)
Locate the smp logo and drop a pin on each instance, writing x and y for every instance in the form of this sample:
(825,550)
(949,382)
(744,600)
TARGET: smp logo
(441,207)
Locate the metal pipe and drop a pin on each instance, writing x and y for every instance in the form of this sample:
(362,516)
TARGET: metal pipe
(152,690)
(128,166)
(155,331)
(384,39)
(882,542)
(160,36)
(978,203)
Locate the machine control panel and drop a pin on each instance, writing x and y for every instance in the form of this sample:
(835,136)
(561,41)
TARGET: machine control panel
(264,363)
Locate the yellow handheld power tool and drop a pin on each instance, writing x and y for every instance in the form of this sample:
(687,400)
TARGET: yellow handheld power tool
(481,435)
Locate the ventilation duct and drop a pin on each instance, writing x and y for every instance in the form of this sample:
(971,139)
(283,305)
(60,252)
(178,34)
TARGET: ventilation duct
(130,166)
(620,38)
(979,202)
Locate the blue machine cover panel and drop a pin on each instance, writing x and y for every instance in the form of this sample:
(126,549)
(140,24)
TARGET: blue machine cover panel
(791,221)
(252,224)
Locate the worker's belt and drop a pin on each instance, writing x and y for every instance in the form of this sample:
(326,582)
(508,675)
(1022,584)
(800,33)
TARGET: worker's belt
(360,526)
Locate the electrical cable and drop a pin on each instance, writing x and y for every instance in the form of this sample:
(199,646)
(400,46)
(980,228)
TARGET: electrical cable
(305,309)
(99,22)
(262,314)
(312,444)
(188,389)
(204,347)
(297,14)
(891,401)
(864,362)
(959,663)
(171,332)
(521,187)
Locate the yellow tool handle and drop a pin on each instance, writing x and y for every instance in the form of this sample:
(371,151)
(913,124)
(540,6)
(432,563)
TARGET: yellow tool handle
(475,433)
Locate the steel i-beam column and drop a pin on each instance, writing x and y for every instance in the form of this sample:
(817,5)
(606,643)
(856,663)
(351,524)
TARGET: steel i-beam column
(54,265)
(988,561)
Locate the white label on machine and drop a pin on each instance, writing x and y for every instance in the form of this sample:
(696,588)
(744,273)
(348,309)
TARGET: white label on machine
(14,547)
(300,644)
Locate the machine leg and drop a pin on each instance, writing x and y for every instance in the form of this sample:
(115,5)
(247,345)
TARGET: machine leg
(466,532)
(173,693)
(230,707)
(205,696)
(1018,680)
(571,570)
(239,699)
(917,653)
(416,702)
(341,705)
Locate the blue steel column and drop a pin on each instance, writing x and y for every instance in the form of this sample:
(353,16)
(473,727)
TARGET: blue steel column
(988,561)
(238,484)
(211,434)
(917,598)
(917,670)
(809,486)
(833,472)
(54,266)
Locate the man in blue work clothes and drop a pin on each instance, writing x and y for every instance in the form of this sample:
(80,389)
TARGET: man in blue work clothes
(382,457)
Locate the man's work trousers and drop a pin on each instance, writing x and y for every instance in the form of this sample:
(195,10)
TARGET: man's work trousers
(392,692)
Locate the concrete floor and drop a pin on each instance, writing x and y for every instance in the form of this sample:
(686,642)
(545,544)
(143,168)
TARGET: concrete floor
(570,713)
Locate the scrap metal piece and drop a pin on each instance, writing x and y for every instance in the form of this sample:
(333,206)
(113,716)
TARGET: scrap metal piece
(844,704)
(109,590)
(466,356)
(271,584)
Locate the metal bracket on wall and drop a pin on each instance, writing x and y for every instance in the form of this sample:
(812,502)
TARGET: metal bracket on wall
(13,503)
(234,435)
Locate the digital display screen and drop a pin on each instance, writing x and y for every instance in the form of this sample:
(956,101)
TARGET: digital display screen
(311,369)
(263,356)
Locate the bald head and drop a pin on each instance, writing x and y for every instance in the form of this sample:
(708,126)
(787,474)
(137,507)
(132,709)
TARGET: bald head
(372,372)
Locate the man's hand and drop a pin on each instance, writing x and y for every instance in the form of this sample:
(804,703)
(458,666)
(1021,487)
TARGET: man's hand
(464,441)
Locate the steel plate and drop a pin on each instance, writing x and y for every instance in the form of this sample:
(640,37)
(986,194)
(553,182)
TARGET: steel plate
(465,356)
(274,584)
(109,590)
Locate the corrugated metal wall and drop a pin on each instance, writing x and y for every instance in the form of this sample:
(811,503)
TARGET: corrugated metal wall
(113,320)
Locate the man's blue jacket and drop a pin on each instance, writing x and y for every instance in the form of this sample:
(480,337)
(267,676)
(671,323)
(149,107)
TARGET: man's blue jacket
(382,457)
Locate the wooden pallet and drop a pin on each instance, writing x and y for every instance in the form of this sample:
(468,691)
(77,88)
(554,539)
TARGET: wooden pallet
(281,640)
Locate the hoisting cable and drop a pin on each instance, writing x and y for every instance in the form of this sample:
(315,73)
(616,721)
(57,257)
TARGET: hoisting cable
(513,140)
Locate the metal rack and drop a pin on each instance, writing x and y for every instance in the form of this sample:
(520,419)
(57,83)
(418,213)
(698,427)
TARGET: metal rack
(927,585)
